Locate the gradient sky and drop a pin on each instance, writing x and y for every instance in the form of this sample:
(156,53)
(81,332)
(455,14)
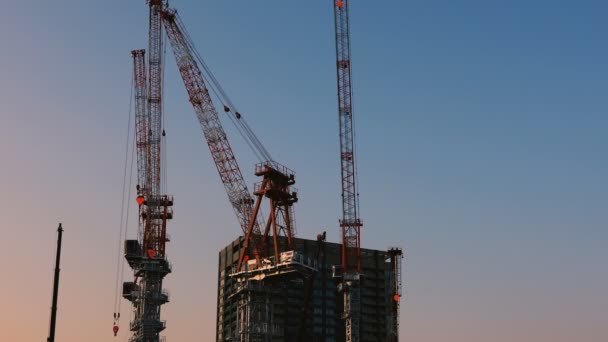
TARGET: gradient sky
(481,131)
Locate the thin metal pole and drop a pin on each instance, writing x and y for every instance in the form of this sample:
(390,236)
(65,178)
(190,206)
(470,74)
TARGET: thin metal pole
(51,337)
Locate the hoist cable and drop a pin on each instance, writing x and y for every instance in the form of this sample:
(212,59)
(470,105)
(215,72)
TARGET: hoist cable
(122,206)
(130,187)
(244,129)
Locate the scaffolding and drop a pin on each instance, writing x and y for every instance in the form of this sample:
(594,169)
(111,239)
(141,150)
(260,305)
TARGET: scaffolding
(256,285)
(255,317)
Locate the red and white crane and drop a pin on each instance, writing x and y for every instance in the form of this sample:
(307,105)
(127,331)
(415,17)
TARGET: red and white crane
(350,223)
(146,256)
(276,185)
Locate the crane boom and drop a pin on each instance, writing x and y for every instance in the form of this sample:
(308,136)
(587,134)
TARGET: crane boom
(141,117)
(219,146)
(254,319)
(350,222)
(154,97)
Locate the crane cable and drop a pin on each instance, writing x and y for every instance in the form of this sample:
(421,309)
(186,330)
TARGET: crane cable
(245,132)
(124,214)
(163,150)
(211,86)
(229,107)
(236,118)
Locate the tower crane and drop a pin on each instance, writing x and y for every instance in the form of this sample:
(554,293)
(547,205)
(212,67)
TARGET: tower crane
(146,255)
(254,278)
(349,274)
(207,115)
(277,179)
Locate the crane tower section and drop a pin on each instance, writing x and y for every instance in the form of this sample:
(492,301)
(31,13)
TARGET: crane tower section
(350,223)
(146,256)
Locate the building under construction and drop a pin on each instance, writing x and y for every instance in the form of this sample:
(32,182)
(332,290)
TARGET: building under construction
(285,314)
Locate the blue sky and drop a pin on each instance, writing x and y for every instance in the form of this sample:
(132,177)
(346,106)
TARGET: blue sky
(481,144)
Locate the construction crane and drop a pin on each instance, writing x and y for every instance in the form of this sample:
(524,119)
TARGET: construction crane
(146,256)
(277,179)
(254,277)
(207,115)
(350,273)
(51,337)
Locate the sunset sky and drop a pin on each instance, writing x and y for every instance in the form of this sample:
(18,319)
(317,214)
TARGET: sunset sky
(481,135)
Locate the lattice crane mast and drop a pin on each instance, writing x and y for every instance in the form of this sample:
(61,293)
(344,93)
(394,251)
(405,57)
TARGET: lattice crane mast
(146,256)
(350,223)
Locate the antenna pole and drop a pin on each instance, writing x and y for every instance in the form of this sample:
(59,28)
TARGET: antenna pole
(51,337)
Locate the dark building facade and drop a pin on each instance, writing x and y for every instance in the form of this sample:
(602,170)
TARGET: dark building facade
(322,320)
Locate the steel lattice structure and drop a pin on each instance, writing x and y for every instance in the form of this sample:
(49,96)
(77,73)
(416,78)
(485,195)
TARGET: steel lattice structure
(142,122)
(154,96)
(215,136)
(146,256)
(350,222)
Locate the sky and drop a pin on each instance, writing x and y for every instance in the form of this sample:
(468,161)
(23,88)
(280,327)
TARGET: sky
(481,138)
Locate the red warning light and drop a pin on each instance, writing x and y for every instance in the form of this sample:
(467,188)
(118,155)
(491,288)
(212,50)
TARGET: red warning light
(396,297)
(339,3)
(151,253)
(140,200)
(115,330)
(246,258)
